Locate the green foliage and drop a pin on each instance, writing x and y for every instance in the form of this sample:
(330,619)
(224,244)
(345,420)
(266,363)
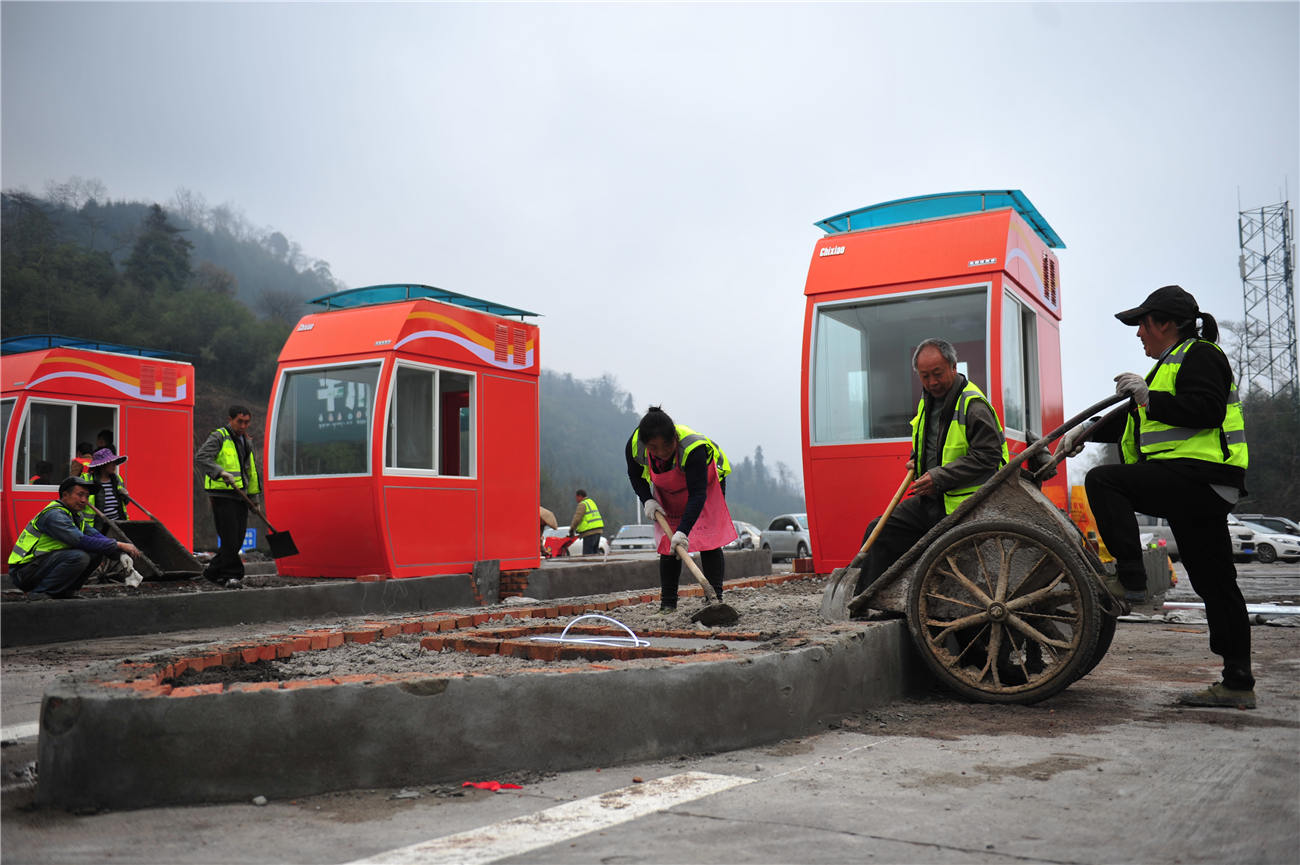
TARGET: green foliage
(1273,437)
(585,426)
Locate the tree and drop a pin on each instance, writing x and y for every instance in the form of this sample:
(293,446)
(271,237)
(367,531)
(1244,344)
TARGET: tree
(161,257)
(282,304)
(216,279)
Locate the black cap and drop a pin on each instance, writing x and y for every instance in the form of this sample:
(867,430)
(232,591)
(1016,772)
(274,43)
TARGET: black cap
(1169,299)
(69,483)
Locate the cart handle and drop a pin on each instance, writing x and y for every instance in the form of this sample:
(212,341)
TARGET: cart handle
(1060,454)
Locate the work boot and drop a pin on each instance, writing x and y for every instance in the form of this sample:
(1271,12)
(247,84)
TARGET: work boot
(1118,590)
(1219,695)
(233,583)
(38,596)
(664,611)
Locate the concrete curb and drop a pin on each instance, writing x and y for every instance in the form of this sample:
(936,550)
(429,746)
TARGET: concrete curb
(595,577)
(102,747)
(60,621)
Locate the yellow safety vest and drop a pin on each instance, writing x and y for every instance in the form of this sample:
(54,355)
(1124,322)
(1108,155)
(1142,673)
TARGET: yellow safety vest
(1158,441)
(33,542)
(591,518)
(228,460)
(89,477)
(687,441)
(955,444)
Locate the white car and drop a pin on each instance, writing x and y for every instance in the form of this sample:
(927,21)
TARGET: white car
(634,538)
(1271,546)
(787,537)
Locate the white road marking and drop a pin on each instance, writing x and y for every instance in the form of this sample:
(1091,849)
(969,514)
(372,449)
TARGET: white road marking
(20,731)
(533,831)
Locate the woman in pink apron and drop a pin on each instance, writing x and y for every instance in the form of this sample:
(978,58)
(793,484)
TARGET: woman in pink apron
(681,474)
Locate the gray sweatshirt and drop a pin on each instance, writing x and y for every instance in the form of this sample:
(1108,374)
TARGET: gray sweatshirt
(206,461)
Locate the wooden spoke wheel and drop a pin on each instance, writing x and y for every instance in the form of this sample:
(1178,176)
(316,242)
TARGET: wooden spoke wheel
(1003,612)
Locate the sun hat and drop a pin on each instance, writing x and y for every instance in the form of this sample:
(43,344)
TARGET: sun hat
(105,457)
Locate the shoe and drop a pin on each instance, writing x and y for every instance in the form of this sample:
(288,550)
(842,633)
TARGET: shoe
(39,596)
(1219,695)
(664,611)
(1118,590)
(233,583)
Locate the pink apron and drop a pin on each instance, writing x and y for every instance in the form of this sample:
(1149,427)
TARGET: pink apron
(713,529)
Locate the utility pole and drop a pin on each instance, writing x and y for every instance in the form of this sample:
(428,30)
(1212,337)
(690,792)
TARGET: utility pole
(1268,345)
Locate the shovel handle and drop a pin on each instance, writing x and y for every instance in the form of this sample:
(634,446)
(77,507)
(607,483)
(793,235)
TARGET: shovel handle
(143,508)
(709,594)
(255,509)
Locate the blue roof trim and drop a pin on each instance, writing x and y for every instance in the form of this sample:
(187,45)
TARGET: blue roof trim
(943,204)
(373,294)
(40,341)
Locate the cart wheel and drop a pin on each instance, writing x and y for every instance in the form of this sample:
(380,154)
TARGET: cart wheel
(1003,613)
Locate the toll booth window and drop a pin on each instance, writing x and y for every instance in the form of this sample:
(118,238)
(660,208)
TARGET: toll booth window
(1020,404)
(863,384)
(430,422)
(46,442)
(322,424)
(6,412)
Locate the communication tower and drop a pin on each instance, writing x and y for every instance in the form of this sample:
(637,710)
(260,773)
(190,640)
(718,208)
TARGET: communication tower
(1268,344)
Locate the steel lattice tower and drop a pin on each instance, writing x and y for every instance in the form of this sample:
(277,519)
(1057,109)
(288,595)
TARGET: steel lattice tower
(1268,345)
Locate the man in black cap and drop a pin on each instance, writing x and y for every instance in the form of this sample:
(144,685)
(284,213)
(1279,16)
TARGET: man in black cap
(1183,443)
(59,549)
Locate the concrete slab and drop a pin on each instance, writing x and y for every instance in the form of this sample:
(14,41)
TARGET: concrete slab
(592,576)
(102,746)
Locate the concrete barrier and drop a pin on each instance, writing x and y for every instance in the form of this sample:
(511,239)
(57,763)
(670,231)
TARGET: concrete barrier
(597,577)
(105,747)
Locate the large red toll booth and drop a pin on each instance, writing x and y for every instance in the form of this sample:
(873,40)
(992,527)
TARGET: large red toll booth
(974,268)
(403,436)
(58,392)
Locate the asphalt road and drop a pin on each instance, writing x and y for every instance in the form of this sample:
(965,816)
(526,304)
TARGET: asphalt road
(1109,771)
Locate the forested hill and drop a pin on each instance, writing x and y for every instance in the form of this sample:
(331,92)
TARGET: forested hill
(585,426)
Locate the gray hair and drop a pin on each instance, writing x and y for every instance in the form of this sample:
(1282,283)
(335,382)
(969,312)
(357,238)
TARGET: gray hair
(941,345)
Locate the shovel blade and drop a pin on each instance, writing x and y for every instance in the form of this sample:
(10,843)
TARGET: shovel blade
(281,544)
(716,614)
(839,591)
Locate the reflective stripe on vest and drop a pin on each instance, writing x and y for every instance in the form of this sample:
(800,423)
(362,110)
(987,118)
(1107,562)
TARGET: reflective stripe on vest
(687,441)
(955,443)
(227,459)
(1154,440)
(33,542)
(591,518)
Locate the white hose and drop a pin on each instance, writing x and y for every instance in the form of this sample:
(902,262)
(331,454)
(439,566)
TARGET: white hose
(631,640)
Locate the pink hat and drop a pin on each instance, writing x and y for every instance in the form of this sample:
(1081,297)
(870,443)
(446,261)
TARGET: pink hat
(105,457)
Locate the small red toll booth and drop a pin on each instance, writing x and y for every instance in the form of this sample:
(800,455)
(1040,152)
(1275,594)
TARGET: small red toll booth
(973,268)
(58,392)
(403,437)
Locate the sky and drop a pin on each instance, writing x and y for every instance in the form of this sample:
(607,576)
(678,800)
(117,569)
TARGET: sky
(647,176)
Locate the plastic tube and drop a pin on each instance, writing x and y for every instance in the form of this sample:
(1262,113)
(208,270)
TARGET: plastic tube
(631,640)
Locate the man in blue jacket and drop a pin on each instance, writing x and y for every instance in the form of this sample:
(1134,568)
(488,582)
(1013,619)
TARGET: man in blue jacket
(59,549)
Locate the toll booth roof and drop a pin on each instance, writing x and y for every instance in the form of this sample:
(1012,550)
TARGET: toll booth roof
(943,204)
(39,341)
(373,294)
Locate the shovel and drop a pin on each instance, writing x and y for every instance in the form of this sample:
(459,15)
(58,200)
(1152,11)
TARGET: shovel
(844,581)
(281,543)
(716,613)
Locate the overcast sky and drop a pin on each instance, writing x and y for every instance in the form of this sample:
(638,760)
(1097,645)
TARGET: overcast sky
(647,176)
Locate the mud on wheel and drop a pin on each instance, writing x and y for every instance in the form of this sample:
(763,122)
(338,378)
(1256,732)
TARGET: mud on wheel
(1003,612)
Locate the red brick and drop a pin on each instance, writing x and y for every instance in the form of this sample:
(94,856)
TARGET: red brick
(195,690)
(515,648)
(159,691)
(319,641)
(255,686)
(336,639)
(479,619)
(371,578)
(353,678)
(302,644)
(229,659)
(307,683)
(464,621)
(484,647)
(496,617)
(284,650)
(390,630)
(359,636)
(541,652)
(412,627)
(552,612)
(433,644)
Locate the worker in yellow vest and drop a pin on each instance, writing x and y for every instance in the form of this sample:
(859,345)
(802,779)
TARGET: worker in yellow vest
(1183,443)
(587,524)
(957,445)
(228,465)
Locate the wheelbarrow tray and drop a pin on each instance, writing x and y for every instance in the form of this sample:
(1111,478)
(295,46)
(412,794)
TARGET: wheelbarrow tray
(162,556)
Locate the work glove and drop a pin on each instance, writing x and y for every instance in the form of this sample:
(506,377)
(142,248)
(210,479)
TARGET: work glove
(1068,441)
(651,508)
(681,540)
(1134,385)
(133,577)
(229,478)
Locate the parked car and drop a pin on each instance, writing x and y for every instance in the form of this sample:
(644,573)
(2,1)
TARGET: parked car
(1278,525)
(787,537)
(1159,527)
(1273,546)
(1243,540)
(559,543)
(748,536)
(634,538)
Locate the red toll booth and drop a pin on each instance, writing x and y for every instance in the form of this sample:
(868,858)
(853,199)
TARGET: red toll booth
(974,268)
(403,438)
(58,392)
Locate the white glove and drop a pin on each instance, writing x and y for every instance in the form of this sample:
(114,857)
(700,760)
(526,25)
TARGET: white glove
(1133,384)
(1068,446)
(133,577)
(228,478)
(681,540)
(653,507)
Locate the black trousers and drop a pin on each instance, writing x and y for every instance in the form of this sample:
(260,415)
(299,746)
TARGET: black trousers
(670,572)
(231,517)
(909,522)
(1198,518)
(591,545)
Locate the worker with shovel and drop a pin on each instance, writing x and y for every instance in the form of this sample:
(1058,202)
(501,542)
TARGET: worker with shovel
(229,471)
(957,444)
(680,475)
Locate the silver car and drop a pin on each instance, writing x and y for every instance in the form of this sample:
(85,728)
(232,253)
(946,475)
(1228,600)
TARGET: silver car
(787,537)
(634,538)
(1271,546)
